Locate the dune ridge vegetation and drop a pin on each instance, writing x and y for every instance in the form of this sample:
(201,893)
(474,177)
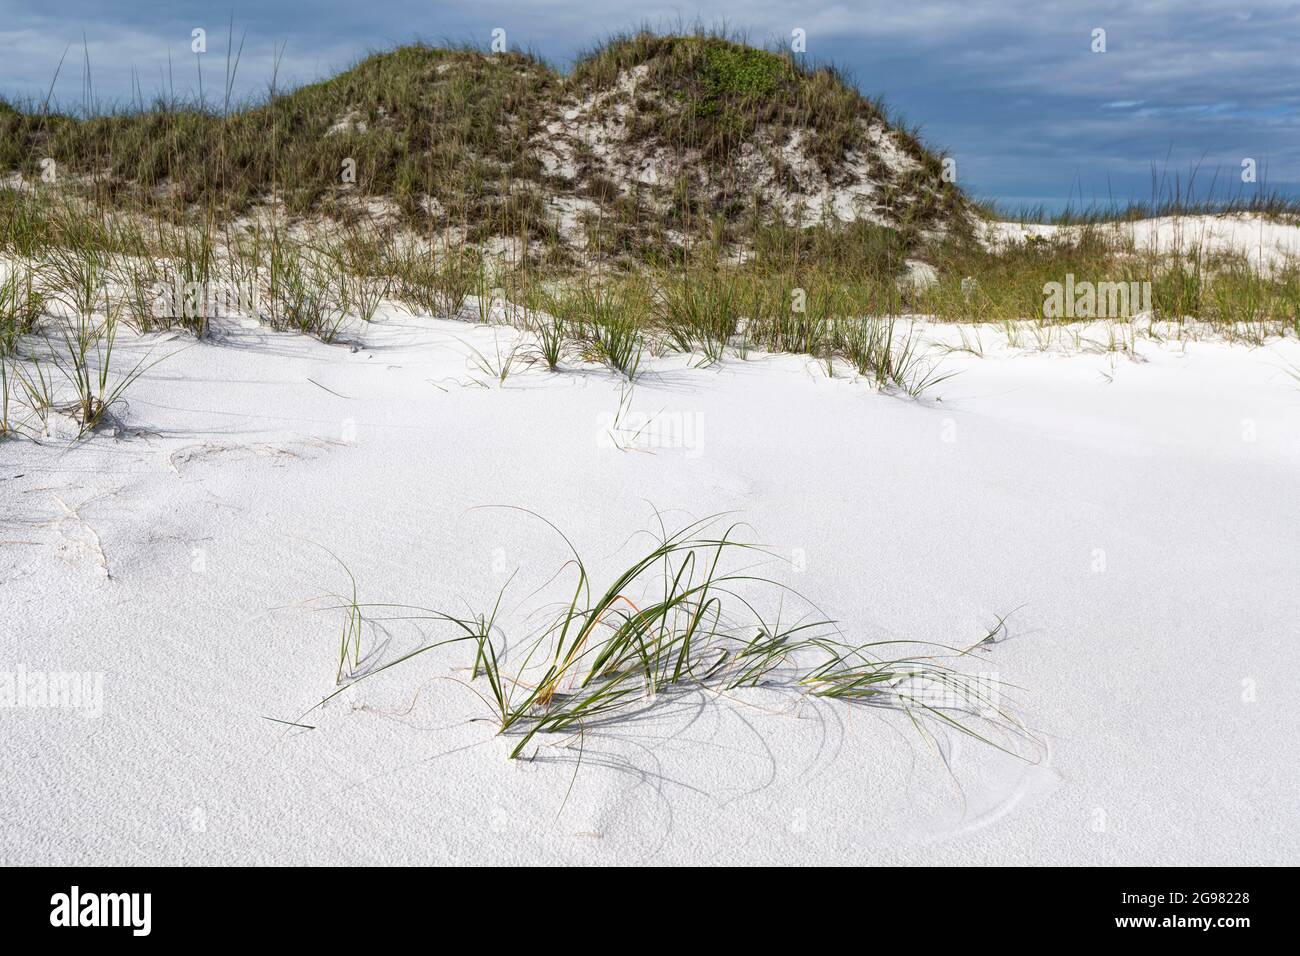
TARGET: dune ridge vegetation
(457,138)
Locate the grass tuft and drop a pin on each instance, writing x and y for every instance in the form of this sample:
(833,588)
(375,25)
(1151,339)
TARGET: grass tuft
(687,616)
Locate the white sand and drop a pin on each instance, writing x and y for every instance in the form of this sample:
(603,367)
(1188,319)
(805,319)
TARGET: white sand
(177,557)
(1267,244)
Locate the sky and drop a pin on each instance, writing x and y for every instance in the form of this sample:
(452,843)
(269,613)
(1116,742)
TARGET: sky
(1015,90)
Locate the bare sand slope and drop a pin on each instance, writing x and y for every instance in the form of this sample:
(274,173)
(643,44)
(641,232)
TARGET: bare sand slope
(1145,513)
(1266,244)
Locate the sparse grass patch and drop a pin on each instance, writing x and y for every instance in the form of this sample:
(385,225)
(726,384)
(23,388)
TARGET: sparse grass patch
(693,613)
(495,366)
(350,632)
(86,360)
(21,304)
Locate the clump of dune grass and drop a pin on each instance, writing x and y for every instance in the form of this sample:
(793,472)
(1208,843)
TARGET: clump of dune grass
(358,255)
(493,368)
(700,312)
(36,383)
(84,355)
(457,273)
(19,309)
(191,265)
(552,338)
(619,341)
(608,319)
(21,304)
(350,632)
(714,313)
(693,613)
(309,293)
(413,278)
(80,333)
(139,279)
(892,359)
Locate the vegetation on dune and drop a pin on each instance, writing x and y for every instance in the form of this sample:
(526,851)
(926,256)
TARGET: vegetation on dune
(707,96)
(450,124)
(452,136)
(715,93)
(1186,284)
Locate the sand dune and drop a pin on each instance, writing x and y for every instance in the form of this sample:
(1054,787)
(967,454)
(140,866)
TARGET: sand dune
(1266,244)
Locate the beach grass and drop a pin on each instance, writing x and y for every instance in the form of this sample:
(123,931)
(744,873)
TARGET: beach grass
(693,612)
